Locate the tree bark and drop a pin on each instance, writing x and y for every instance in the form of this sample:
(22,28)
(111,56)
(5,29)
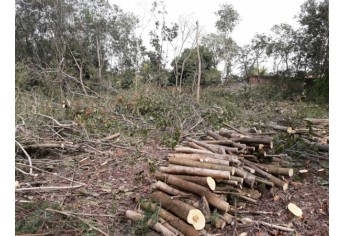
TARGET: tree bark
(158,227)
(168,189)
(199,63)
(212,148)
(186,212)
(176,169)
(179,161)
(203,181)
(213,199)
(276,170)
(200,158)
(171,219)
(273,179)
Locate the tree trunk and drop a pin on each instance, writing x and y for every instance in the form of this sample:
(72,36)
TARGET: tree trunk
(168,189)
(186,212)
(203,181)
(179,161)
(272,178)
(171,219)
(213,199)
(176,169)
(199,63)
(276,170)
(201,158)
(158,227)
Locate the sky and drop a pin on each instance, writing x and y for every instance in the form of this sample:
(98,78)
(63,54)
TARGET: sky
(256,16)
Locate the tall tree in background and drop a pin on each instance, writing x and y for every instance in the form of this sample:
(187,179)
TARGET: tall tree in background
(199,62)
(282,47)
(314,20)
(228,19)
(258,46)
(186,31)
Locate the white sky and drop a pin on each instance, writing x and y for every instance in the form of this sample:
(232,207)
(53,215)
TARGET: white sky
(257,16)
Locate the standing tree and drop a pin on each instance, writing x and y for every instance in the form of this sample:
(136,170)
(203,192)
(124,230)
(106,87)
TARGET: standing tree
(186,31)
(315,32)
(228,19)
(282,47)
(258,46)
(199,62)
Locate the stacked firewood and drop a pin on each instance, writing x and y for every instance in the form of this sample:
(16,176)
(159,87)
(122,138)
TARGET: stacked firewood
(203,176)
(315,132)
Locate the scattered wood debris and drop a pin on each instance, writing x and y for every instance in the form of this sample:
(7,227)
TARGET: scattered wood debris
(204,175)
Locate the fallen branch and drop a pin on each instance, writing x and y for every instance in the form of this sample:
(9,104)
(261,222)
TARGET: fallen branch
(27,155)
(184,211)
(177,223)
(158,227)
(213,199)
(84,221)
(50,188)
(54,174)
(184,162)
(203,181)
(177,169)
(276,226)
(231,127)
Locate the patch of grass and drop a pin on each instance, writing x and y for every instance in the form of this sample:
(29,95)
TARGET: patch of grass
(30,217)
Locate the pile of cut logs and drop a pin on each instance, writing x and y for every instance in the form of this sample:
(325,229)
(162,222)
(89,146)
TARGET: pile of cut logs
(203,175)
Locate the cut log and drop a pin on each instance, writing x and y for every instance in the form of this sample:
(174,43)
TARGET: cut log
(264,181)
(228,133)
(215,135)
(320,146)
(227,217)
(276,127)
(239,180)
(158,227)
(255,140)
(205,208)
(295,210)
(276,170)
(227,188)
(272,178)
(168,189)
(211,147)
(213,199)
(196,146)
(248,178)
(203,181)
(250,170)
(233,159)
(186,212)
(170,227)
(179,161)
(251,158)
(316,121)
(176,222)
(191,150)
(187,170)
(233,128)
(200,158)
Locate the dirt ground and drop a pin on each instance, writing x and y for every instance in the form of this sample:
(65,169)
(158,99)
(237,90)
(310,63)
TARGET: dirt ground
(113,180)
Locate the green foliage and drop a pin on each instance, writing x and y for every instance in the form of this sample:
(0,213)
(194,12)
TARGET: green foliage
(189,67)
(228,18)
(319,91)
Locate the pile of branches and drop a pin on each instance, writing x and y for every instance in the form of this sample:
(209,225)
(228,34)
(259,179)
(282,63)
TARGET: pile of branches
(202,177)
